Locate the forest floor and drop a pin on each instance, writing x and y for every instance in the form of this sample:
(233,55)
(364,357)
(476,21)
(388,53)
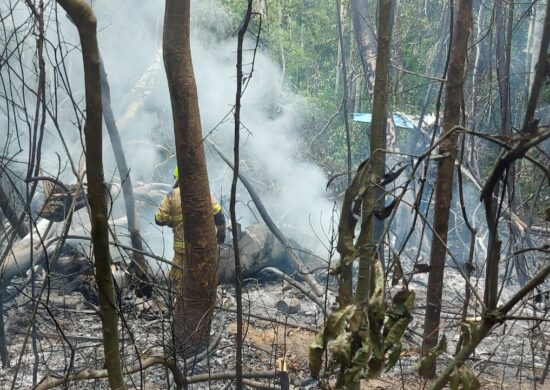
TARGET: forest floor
(503,361)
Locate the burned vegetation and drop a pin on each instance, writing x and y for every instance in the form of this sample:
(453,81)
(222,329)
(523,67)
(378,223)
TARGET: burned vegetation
(325,197)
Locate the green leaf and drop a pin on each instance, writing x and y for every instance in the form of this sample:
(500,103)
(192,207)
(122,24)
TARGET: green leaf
(393,357)
(337,321)
(316,350)
(377,305)
(348,218)
(464,378)
(359,321)
(341,349)
(427,362)
(396,332)
(363,354)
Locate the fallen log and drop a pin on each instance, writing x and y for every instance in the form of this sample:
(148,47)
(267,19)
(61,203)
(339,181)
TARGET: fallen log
(258,246)
(18,260)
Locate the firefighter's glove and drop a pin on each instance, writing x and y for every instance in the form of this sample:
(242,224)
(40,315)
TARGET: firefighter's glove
(220,235)
(219,220)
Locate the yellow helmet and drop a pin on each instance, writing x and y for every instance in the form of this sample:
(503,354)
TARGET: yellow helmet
(176,173)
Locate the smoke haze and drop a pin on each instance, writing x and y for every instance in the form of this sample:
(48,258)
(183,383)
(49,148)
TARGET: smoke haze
(130,39)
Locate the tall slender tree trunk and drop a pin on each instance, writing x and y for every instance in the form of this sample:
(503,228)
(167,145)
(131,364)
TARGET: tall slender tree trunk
(504,13)
(479,68)
(445,173)
(366,41)
(85,21)
(345,92)
(346,280)
(528,50)
(198,291)
(234,225)
(538,27)
(374,194)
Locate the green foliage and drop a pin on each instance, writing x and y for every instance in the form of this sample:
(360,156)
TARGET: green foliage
(424,369)
(464,378)
(362,341)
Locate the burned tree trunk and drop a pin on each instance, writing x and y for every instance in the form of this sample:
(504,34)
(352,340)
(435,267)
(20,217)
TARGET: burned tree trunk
(445,173)
(198,292)
(11,216)
(234,225)
(85,21)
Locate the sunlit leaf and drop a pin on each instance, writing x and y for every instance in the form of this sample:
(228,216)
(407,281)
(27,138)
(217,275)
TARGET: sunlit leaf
(376,301)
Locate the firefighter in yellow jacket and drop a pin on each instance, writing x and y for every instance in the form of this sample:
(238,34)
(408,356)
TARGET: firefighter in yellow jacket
(170,214)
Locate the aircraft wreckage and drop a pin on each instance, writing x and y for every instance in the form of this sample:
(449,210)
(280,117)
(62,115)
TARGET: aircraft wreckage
(60,243)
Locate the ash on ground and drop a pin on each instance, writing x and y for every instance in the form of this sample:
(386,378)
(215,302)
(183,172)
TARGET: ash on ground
(280,324)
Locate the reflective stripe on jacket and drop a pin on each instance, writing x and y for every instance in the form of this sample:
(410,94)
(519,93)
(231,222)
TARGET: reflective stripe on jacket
(169,213)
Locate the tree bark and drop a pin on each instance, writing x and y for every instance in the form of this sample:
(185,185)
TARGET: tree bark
(345,90)
(198,291)
(445,173)
(85,21)
(479,69)
(234,225)
(375,195)
(538,66)
(11,216)
(366,41)
(346,281)
(538,27)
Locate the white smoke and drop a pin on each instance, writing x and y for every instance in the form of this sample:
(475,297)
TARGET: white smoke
(130,37)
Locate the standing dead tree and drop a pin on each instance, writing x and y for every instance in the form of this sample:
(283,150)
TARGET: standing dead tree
(361,342)
(236,160)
